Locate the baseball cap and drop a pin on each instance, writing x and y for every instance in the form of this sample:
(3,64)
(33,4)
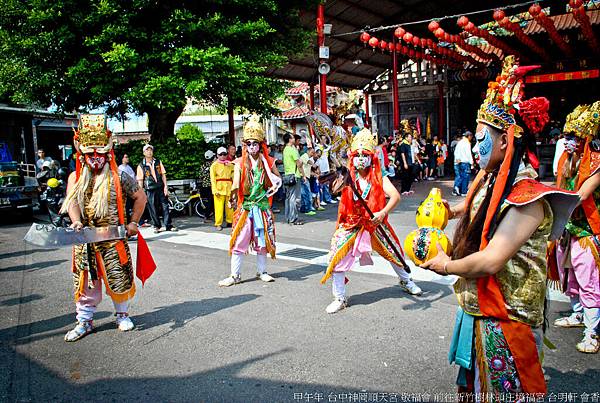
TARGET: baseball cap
(147,146)
(209,154)
(221,150)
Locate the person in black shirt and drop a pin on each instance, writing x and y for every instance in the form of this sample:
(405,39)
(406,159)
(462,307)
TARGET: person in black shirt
(404,161)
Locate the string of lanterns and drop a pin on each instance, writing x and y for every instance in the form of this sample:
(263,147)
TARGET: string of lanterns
(428,49)
(582,18)
(541,18)
(506,23)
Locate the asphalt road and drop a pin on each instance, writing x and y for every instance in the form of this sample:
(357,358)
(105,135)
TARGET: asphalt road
(254,342)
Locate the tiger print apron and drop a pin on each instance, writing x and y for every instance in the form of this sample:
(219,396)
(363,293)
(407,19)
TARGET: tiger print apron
(108,261)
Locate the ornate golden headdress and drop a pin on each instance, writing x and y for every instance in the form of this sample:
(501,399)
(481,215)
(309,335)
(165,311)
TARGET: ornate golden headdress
(503,94)
(584,120)
(364,140)
(253,129)
(92,134)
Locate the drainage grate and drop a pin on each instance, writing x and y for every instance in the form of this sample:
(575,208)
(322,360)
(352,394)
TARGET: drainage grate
(303,253)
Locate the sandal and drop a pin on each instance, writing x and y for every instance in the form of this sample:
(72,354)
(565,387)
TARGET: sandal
(589,345)
(297,222)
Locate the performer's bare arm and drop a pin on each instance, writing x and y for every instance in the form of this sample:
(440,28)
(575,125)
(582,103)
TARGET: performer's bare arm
(514,230)
(74,210)
(588,187)
(140,176)
(394,199)
(139,203)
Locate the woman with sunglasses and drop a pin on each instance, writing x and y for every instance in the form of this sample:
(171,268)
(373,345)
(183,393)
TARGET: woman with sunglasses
(255,180)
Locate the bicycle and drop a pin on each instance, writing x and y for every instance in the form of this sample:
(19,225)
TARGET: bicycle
(198,203)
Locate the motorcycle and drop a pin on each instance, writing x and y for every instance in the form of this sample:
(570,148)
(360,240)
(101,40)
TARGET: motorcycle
(199,204)
(53,198)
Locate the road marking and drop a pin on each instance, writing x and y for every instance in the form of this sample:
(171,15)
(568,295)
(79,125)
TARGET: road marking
(220,241)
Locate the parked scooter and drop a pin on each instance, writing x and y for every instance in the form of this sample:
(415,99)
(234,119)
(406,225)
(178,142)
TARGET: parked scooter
(53,198)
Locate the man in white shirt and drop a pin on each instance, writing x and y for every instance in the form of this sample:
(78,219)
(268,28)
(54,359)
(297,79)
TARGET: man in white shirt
(463,163)
(560,148)
(323,164)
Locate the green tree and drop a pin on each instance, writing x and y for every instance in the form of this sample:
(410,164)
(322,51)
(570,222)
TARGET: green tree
(189,132)
(147,55)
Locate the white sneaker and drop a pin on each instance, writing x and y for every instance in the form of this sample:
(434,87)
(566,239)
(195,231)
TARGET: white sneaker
(124,323)
(82,329)
(229,281)
(410,287)
(574,320)
(323,203)
(336,306)
(589,344)
(264,277)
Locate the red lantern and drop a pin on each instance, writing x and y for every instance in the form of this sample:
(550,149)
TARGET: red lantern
(364,37)
(499,15)
(433,26)
(469,26)
(447,37)
(407,37)
(575,3)
(373,42)
(505,22)
(399,32)
(462,21)
(383,45)
(423,42)
(398,47)
(404,50)
(391,46)
(411,53)
(535,9)
(416,40)
(439,33)
(430,43)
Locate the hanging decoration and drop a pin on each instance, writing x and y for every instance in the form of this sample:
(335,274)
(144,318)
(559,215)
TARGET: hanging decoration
(535,10)
(469,27)
(578,10)
(364,37)
(444,36)
(506,23)
(410,39)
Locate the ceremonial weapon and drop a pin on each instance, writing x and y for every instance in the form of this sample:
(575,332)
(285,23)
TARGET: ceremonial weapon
(50,236)
(347,181)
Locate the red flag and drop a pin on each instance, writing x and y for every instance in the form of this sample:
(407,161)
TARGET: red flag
(145,264)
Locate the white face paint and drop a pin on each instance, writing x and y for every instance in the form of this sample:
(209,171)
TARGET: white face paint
(253,147)
(484,146)
(362,161)
(570,145)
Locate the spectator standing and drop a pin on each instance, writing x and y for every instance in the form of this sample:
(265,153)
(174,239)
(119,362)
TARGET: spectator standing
(292,176)
(41,159)
(431,160)
(442,155)
(231,153)
(125,167)
(306,196)
(405,164)
(463,163)
(278,157)
(152,176)
(323,164)
(221,180)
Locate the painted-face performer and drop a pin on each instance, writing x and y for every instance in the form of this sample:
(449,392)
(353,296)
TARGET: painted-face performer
(356,235)
(578,252)
(500,247)
(255,179)
(96,196)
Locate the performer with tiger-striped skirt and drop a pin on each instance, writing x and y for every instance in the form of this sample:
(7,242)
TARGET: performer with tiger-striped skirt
(356,235)
(96,198)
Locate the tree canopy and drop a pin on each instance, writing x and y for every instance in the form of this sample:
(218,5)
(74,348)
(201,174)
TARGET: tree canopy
(147,55)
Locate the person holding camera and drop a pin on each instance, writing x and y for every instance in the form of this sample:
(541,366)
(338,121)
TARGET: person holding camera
(152,176)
